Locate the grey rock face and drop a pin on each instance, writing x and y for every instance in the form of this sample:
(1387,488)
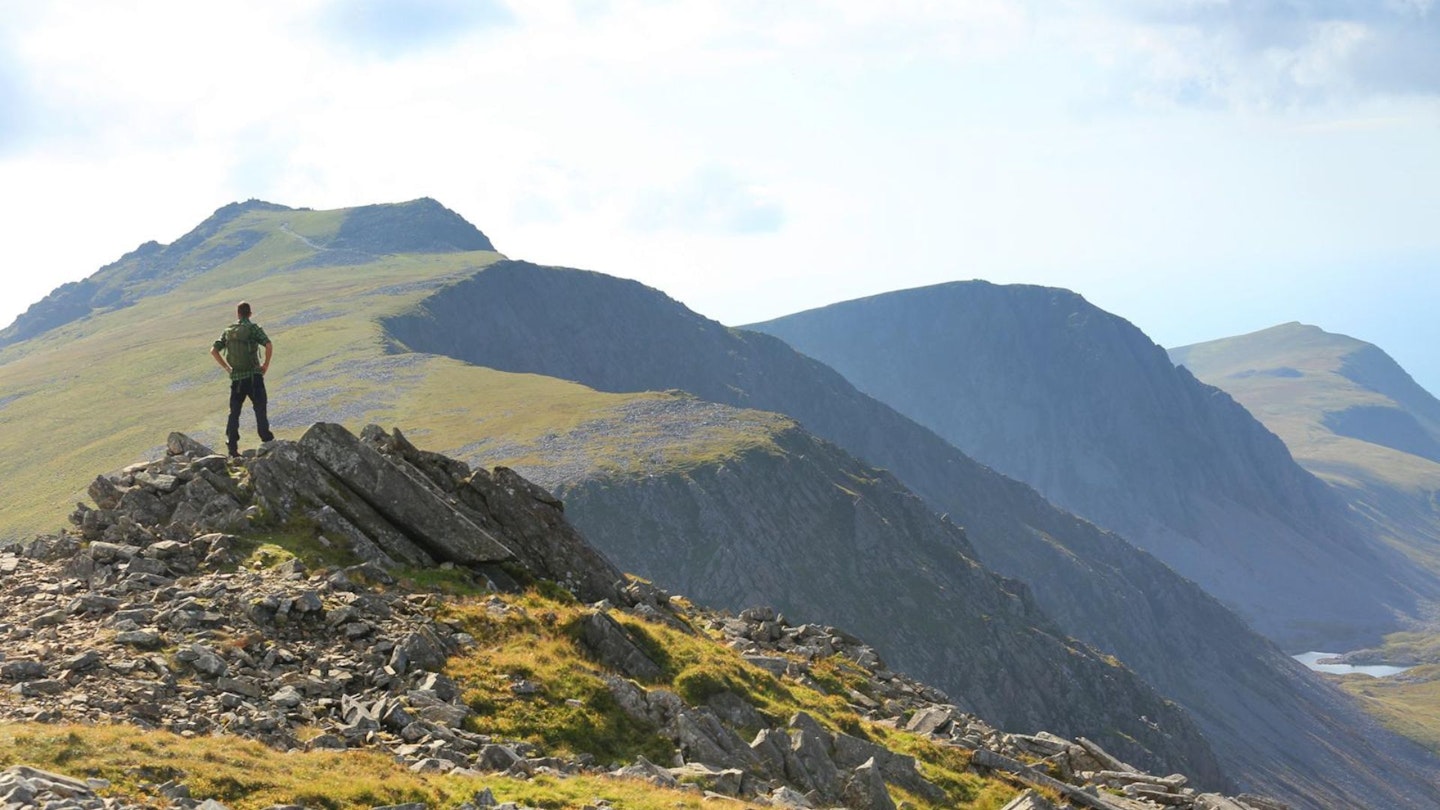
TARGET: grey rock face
(899,573)
(388,502)
(607,640)
(417,510)
(526,518)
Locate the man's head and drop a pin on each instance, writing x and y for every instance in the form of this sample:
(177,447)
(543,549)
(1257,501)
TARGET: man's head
(243,309)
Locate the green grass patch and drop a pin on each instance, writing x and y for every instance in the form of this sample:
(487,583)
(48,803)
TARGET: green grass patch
(572,711)
(453,581)
(698,666)
(245,775)
(297,540)
(1408,704)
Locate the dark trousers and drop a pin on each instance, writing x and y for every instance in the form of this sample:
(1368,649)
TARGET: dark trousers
(254,388)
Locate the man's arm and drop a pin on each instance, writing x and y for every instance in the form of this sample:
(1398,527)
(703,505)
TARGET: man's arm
(215,353)
(269,349)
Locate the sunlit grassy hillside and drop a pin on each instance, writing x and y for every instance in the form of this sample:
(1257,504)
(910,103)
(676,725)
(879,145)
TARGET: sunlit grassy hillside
(1348,413)
(74,399)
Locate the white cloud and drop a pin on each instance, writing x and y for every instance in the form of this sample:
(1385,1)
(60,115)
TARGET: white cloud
(748,157)
(1262,54)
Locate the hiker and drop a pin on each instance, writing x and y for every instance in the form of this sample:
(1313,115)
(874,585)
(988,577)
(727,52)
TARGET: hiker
(240,343)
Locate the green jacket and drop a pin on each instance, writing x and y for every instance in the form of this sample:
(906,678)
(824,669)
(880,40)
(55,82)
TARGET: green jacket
(239,368)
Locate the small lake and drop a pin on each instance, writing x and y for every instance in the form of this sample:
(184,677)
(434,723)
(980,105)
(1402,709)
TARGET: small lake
(1309,659)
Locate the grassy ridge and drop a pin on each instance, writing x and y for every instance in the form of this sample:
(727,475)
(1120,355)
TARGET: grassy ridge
(245,775)
(112,385)
(1408,704)
(1293,378)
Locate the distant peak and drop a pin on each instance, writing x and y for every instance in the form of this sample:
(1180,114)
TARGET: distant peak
(230,211)
(417,226)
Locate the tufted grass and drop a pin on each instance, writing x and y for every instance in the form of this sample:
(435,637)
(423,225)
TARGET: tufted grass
(1408,704)
(535,639)
(245,775)
(572,712)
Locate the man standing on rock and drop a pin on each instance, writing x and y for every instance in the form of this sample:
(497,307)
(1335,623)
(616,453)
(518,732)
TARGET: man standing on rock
(241,342)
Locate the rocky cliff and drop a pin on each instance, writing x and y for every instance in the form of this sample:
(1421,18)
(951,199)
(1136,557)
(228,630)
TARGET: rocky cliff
(1272,725)
(808,529)
(1078,403)
(149,618)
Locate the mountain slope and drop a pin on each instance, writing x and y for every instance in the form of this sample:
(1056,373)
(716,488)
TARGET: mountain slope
(1349,413)
(69,408)
(799,523)
(96,386)
(1055,392)
(1273,725)
(359,236)
(335,362)
(344,680)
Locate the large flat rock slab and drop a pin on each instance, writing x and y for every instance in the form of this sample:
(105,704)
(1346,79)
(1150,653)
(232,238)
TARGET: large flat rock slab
(417,510)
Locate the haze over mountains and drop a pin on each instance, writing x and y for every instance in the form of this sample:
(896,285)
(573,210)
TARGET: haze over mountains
(1045,387)
(1349,413)
(412,320)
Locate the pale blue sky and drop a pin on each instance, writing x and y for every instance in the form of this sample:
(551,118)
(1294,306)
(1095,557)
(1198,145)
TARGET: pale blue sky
(1200,167)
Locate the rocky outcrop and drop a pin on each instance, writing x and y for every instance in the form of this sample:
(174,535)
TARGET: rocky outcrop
(824,763)
(387,502)
(755,529)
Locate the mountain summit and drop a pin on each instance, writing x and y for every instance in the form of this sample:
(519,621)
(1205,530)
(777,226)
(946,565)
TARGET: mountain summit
(1349,413)
(1047,388)
(357,236)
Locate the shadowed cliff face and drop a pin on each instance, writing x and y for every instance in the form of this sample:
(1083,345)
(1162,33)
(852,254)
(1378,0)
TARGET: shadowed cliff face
(1274,727)
(814,533)
(1078,403)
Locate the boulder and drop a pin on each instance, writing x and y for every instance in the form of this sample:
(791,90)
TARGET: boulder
(1030,800)
(609,642)
(808,762)
(290,482)
(416,510)
(648,771)
(178,444)
(865,789)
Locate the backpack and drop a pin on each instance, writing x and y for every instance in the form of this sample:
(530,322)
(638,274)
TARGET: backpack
(240,348)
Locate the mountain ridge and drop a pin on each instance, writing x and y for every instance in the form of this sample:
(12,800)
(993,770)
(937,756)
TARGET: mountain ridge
(559,321)
(339,362)
(419,226)
(1351,415)
(1053,391)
